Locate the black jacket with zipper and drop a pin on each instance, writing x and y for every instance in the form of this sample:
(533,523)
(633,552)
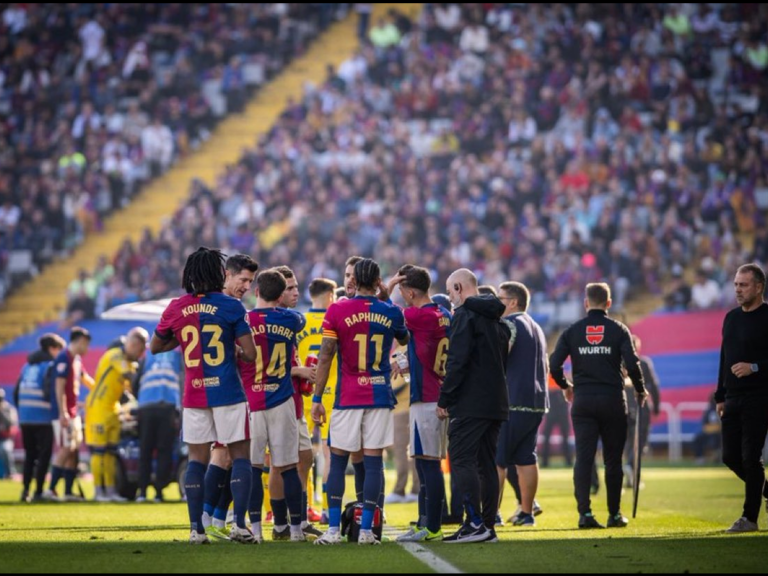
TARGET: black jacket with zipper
(475,383)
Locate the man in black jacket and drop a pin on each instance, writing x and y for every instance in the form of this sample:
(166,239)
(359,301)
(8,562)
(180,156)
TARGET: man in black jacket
(474,396)
(742,391)
(597,346)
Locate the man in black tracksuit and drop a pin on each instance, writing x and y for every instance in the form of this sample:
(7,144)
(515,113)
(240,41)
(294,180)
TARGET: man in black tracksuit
(474,396)
(597,346)
(742,391)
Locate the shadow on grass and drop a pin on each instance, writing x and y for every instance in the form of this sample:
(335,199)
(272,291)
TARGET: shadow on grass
(709,552)
(36,505)
(78,530)
(169,556)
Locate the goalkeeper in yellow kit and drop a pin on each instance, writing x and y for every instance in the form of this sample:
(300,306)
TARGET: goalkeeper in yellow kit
(321,290)
(102,422)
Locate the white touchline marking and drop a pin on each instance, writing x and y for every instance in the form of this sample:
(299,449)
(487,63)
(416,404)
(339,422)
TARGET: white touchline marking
(429,558)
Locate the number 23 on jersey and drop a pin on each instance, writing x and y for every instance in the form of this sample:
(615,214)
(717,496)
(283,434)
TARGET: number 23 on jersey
(214,350)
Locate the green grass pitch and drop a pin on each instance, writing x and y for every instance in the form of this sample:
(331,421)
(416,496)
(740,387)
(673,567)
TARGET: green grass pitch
(679,529)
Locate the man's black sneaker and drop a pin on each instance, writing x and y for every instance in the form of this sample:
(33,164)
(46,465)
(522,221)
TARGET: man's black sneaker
(493,539)
(281,535)
(589,523)
(469,533)
(617,521)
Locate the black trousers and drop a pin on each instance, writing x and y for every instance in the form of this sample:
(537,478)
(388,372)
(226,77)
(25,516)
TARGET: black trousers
(157,432)
(38,447)
(599,417)
(745,424)
(472,446)
(557,418)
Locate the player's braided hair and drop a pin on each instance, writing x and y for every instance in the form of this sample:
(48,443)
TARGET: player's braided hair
(367,274)
(204,271)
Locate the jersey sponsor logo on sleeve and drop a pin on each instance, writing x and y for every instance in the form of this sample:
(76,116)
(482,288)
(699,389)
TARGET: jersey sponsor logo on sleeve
(595,335)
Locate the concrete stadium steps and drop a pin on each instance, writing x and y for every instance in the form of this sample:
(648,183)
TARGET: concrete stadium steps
(43,299)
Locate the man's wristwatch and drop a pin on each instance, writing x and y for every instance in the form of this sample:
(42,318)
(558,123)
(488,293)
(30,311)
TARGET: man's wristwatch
(754,368)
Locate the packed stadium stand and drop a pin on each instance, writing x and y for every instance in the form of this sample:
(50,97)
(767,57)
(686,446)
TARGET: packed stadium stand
(97,100)
(551,145)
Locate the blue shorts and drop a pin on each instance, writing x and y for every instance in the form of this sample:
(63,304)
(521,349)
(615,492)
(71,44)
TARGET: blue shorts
(518,438)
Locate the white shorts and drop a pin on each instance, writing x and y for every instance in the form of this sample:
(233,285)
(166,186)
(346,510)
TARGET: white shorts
(278,430)
(70,438)
(429,434)
(305,441)
(224,424)
(354,429)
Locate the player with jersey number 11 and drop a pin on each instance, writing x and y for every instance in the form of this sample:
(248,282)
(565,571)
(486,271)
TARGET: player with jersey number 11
(362,331)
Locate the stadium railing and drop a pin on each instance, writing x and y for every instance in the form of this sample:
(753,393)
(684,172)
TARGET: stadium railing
(674,438)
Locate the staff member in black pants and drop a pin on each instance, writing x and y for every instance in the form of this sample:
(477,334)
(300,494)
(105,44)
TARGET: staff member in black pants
(33,395)
(597,346)
(474,395)
(742,391)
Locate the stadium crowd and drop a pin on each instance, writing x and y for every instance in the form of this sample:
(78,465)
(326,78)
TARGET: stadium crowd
(553,145)
(95,100)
